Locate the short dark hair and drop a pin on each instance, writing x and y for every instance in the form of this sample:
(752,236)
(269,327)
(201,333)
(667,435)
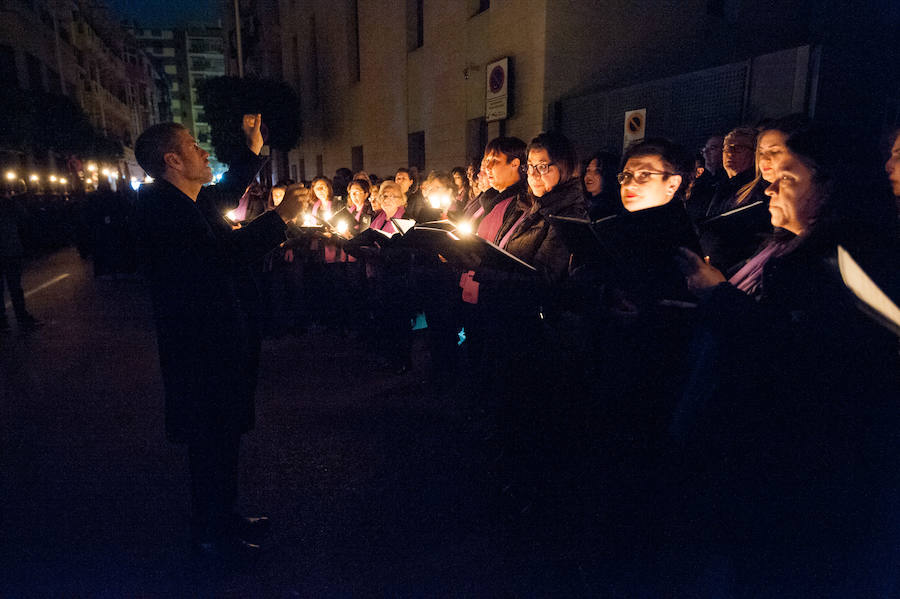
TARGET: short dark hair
(512,147)
(362,184)
(674,157)
(152,146)
(560,150)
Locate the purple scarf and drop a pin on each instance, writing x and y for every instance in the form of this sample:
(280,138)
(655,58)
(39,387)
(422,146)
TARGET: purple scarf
(749,277)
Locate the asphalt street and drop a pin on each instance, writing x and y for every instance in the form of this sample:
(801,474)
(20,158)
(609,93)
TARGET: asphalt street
(375,484)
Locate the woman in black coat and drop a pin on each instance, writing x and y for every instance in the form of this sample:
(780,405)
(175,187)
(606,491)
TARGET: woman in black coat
(789,419)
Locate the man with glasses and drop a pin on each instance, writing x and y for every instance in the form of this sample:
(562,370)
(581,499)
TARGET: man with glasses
(706,184)
(738,160)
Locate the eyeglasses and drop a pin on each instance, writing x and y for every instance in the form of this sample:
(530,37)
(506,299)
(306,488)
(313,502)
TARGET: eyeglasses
(640,177)
(541,168)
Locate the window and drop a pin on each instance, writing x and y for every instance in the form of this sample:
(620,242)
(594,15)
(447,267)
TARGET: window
(416,150)
(35,75)
(171,69)
(476,138)
(353,42)
(356,158)
(302,170)
(314,56)
(8,65)
(477,7)
(294,172)
(415,26)
(295,57)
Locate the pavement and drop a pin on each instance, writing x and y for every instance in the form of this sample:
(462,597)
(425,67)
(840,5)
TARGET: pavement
(376,485)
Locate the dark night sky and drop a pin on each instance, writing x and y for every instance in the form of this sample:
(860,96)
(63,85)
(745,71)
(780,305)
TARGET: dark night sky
(166,13)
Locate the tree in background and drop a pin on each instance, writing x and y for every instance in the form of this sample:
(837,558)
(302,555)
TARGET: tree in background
(37,122)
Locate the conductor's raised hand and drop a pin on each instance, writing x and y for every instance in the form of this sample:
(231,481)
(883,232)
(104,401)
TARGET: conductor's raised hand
(701,278)
(252,126)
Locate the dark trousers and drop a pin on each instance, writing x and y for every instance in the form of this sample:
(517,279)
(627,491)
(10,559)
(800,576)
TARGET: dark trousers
(11,272)
(213,462)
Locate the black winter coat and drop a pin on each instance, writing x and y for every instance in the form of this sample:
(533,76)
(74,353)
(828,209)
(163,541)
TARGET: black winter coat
(196,266)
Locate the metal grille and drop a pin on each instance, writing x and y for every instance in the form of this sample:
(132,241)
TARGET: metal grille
(686,108)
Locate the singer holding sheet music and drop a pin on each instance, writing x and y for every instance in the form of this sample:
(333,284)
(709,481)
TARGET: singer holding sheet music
(792,388)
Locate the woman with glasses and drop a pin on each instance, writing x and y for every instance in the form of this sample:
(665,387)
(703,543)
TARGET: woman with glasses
(519,315)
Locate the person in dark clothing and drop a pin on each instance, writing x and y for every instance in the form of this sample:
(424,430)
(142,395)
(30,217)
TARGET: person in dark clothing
(601,190)
(708,182)
(788,421)
(737,160)
(415,201)
(12,255)
(197,268)
(502,166)
(516,308)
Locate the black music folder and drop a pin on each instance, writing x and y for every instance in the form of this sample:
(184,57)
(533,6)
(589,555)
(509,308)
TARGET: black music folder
(636,250)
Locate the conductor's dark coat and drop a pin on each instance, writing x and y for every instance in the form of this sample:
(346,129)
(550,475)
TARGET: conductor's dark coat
(197,268)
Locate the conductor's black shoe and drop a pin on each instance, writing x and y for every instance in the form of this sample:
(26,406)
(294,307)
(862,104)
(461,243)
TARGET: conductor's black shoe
(250,527)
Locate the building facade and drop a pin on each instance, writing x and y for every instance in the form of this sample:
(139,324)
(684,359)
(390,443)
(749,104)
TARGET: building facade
(385,83)
(77,49)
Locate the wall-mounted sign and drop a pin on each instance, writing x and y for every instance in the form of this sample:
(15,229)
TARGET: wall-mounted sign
(496,96)
(635,127)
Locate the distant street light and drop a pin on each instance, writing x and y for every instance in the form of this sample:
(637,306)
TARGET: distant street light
(53,178)
(10,175)
(34,178)
(63,180)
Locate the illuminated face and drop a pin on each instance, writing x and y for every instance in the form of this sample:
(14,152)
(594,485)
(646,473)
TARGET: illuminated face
(541,184)
(320,188)
(791,194)
(593,180)
(403,180)
(770,148)
(500,170)
(277,195)
(391,200)
(892,166)
(357,196)
(658,186)
(194,160)
(458,180)
(375,202)
(737,154)
(481,180)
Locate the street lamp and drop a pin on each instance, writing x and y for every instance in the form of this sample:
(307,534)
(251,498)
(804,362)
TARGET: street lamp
(53,178)
(92,167)
(10,175)
(34,178)
(63,180)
